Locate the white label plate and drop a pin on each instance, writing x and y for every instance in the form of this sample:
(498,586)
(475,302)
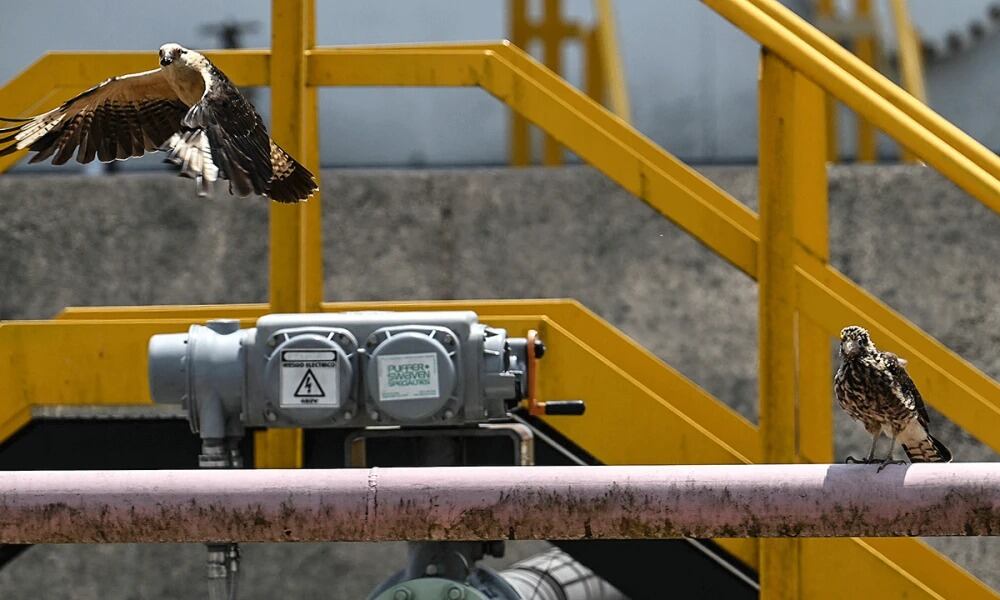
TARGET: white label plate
(407,377)
(309,378)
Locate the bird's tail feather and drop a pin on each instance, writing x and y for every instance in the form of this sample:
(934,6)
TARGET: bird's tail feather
(290,182)
(929,449)
(191,151)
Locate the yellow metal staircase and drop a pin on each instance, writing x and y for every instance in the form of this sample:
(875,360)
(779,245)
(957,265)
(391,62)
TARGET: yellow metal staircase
(627,388)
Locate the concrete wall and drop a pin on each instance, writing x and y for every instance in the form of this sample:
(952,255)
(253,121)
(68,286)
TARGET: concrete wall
(907,235)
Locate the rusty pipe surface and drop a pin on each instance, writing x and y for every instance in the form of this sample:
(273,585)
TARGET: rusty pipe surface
(470,503)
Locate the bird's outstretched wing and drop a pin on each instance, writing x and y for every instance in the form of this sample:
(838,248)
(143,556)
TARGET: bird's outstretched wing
(123,117)
(236,135)
(240,146)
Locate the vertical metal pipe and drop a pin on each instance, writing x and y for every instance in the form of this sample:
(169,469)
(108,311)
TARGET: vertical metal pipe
(827,10)
(296,268)
(594,82)
(911,64)
(611,59)
(779,559)
(223,564)
(808,190)
(866,47)
(520,140)
(552,36)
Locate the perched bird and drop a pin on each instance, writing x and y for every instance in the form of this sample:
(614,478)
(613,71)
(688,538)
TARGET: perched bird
(875,389)
(188,108)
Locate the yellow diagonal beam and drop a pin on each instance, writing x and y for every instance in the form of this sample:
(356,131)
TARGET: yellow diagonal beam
(883,113)
(588,129)
(854,66)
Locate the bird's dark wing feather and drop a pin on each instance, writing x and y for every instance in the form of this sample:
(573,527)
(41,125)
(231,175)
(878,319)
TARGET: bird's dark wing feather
(123,117)
(292,182)
(904,389)
(238,140)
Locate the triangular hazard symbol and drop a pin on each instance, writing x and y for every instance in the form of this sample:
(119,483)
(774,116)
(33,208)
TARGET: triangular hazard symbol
(309,386)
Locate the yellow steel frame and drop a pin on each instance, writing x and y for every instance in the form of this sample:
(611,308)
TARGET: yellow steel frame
(911,61)
(776,17)
(867,49)
(804,300)
(604,73)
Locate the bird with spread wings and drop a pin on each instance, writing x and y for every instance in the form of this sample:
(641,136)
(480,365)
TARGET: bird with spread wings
(188,108)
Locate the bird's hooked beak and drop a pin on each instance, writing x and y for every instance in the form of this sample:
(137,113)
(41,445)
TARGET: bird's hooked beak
(848,347)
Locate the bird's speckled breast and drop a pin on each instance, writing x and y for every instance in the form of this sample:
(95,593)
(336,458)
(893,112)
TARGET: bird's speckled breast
(864,391)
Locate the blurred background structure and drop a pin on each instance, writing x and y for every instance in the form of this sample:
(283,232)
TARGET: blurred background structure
(691,77)
(418,205)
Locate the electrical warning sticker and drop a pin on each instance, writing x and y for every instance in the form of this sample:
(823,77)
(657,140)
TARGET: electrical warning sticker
(407,376)
(309,378)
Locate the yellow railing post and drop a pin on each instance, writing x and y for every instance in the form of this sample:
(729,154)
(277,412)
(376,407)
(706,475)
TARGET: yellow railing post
(809,190)
(593,80)
(520,139)
(911,64)
(827,10)
(552,32)
(296,269)
(783,118)
(866,47)
(610,60)
(604,74)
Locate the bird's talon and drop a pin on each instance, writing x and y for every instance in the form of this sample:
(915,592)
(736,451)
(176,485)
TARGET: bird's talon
(886,463)
(850,460)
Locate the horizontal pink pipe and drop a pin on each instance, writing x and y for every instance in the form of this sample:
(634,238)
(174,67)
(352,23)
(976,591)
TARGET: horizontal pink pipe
(463,503)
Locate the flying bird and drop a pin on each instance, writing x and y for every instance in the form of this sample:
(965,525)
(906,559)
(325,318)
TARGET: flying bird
(188,108)
(874,388)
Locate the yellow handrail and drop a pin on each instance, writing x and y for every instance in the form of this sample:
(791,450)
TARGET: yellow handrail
(604,74)
(854,67)
(862,99)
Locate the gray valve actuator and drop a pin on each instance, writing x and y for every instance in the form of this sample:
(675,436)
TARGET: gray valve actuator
(339,370)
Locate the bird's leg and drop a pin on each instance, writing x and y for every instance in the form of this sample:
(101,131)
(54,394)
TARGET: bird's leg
(871,453)
(888,457)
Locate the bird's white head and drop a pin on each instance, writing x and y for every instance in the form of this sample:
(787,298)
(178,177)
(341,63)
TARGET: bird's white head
(174,55)
(855,342)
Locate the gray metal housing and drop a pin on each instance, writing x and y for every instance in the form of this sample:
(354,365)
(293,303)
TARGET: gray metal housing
(339,370)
